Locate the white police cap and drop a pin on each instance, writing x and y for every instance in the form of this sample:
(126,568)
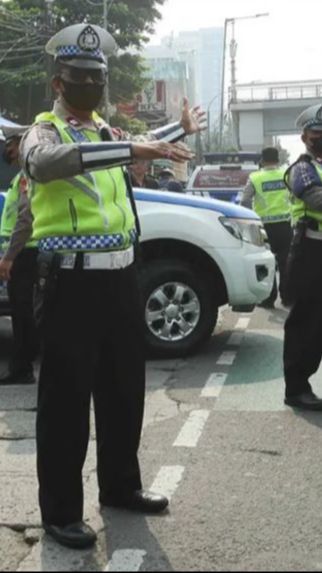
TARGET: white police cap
(310,118)
(82,45)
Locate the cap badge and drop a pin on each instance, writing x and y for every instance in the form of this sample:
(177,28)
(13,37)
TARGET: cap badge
(88,40)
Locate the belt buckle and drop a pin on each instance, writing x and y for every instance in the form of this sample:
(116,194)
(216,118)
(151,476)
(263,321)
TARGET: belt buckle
(87,261)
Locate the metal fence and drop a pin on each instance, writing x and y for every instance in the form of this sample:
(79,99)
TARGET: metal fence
(278,91)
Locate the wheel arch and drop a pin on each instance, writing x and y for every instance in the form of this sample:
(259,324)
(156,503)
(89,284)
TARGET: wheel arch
(157,249)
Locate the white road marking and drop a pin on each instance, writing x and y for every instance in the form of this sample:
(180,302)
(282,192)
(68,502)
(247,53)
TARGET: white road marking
(168,480)
(236,339)
(214,385)
(242,324)
(227,358)
(192,430)
(126,560)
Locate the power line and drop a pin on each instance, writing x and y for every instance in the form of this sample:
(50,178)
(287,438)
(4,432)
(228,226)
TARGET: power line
(26,49)
(11,48)
(15,16)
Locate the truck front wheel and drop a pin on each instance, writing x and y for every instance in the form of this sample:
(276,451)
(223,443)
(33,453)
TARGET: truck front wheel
(180,307)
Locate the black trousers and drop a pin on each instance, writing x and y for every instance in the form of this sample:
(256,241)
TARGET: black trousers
(303,327)
(279,237)
(93,346)
(20,291)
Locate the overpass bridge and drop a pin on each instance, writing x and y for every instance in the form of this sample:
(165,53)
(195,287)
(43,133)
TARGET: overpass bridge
(261,111)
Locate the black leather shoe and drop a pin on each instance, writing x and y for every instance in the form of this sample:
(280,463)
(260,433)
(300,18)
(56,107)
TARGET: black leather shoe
(142,501)
(305,401)
(76,535)
(17,379)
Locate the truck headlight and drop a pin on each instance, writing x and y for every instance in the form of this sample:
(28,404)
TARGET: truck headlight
(247,230)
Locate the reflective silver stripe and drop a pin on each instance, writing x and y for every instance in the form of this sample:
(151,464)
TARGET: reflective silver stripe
(105,155)
(91,193)
(97,156)
(101,261)
(170,133)
(83,187)
(310,234)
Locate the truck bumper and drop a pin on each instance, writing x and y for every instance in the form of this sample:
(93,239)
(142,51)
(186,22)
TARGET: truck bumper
(250,277)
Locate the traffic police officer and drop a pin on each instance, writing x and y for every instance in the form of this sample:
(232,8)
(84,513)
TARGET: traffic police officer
(92,315)
(267,194)
(303,327)
(21,276)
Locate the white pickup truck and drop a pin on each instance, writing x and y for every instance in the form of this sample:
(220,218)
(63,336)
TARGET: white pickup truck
(197,254)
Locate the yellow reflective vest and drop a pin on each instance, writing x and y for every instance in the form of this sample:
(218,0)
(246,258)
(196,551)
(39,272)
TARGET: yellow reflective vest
(299,209)
(88,212)
(271,202)
(10,211)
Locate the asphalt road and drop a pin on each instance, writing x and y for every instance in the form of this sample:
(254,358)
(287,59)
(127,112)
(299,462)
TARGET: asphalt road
(242,470)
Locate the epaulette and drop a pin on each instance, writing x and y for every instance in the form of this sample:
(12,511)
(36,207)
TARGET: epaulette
(304,157)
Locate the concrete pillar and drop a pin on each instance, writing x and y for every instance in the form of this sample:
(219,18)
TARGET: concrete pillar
(251,130)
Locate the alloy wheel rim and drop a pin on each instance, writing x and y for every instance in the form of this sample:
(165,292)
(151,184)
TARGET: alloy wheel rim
(172,311)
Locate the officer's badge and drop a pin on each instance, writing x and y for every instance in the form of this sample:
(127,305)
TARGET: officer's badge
(23,185)
(73,121)
(88,40)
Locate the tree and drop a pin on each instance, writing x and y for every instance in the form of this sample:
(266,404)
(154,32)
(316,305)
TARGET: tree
(26,26)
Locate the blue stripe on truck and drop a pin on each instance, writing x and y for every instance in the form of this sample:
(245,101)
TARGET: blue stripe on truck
(222,207)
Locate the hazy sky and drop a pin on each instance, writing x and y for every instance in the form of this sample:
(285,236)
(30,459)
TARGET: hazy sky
(286,45)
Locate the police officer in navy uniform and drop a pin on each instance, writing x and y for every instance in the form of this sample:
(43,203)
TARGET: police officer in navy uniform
(93,327)
(21,276)
(303,327)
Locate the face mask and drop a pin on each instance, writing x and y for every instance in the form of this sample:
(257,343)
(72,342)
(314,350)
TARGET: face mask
(84,97)
(315,145)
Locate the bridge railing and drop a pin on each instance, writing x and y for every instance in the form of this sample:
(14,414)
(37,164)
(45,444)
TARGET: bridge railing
(271,92)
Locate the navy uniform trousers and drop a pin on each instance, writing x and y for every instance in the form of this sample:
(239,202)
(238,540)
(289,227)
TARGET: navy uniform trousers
(20,291)
(303,326)
(93,346)
(279,237)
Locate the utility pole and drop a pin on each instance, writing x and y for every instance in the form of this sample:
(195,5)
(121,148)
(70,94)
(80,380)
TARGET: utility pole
(208,121)
(233,80)
(222,102)
(233,53)
(107,5)
(48,4)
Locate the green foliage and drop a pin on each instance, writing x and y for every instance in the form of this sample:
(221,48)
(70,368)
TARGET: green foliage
(126,77)
(26,26)
(133,126)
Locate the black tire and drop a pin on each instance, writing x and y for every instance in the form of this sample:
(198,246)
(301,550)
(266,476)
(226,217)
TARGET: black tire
(160,274)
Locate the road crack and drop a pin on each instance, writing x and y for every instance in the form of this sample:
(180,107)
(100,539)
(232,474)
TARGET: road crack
(259,451)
